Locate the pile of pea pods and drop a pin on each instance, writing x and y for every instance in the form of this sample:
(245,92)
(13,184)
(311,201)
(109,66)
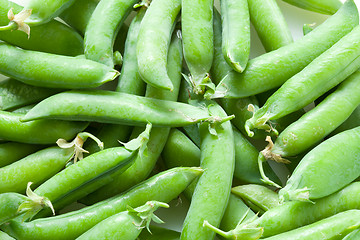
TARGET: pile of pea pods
(112,109)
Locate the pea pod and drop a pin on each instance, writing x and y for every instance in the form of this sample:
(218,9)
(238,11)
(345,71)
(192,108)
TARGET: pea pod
(15,94)
(322,74)
(162,187)
(236,33)
(270,24)
(351,122)
(118,108)
(37,132)
(9,203)
(153,42)
(142,167)
(320,6)
(353,235)
(52,70)
(125,225)
(319,122)
(216,150)
(197,35)
(12,151)
(4,236)
(52,37)
(102,29)
(267,71)
(334,227)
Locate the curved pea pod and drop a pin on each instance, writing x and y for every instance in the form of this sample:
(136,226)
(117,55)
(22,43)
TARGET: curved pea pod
(325,169)
(153,42)
(322,74)
(236,33)
(162,187)
(52,37)
(36,168)
(334,227)
(9,203)
(197,34)
(257,197)
(320,6)
(158,233)
(102,29)
(267,71)
(352,122)
(270,24)
(12,151)
(37,132)
(119,108)
(15,94)
(281,219)
(125,225)
(50,70)
(216,149)
(312,127)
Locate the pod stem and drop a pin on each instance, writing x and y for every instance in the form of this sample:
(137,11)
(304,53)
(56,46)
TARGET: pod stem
(269,155)
(265,179)
(139,143)
(17,21)
(217,230)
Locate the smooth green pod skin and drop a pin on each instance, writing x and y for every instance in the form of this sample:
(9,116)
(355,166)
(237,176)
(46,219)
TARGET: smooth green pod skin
(321,6)
(198,36)
(36,168)
(270,24)
(322,74)
(23,110)
(153,42)
(321,120)
(37,132)
(163,187)
(102,29)
(4,236)
(281,219)
(52,37)
(9,204)
(91,173)
(209,203)
(334,227)
(79,14)
(54,71)
(354,235)
(12,151)
(236,33)
(119,108)
(158,233)
(267,71)
(142,167)
(14,94)
(352,122)
(311,180)
(259,198)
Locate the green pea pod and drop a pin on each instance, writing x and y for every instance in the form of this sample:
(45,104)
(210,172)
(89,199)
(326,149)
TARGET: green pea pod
(23,110)
(102,29)
(319,122)
(320,6)
(162,187)
(270,24)
(52,37)
(37,132)
(322,74)
(281,219)
(157,233)
(9,203)
(268,70)
(125,225)
(334,227)
(12,151)
(4,236)
(36,168)
(340,152)
(353,235)
(153,42)
(197,35)
(118,108)
(52,70)
(209,203)
(79,14)
(15,94)
(351,122)
(236,33)
(142,167)
(257,197)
